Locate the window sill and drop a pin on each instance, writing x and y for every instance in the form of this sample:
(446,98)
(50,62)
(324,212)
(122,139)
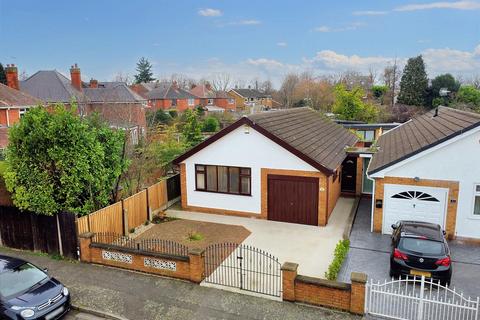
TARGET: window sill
(228,193)
(474,217)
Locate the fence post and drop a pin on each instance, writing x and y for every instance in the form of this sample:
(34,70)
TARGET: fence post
(289,273)
(85,241)
(421,302)
(59,235)
(125,219)
(149,210)
(357,298)
(197,265)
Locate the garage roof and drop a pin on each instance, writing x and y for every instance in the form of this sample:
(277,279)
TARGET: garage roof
(306,133)
(420,134)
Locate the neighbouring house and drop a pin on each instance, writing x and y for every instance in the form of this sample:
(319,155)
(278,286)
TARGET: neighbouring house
(250,99)
(210,98)
(280,165)
(167,96)
(115,102)
(13,104)
(427,169)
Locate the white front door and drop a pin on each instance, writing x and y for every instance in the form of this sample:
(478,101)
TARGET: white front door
(402,202)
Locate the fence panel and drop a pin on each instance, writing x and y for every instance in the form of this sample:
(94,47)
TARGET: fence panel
(136,209)
(173,187)
(82,225)
(157,195)
(108,219)
(69,235)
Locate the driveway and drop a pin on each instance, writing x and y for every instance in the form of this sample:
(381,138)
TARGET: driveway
(139,296)
(370,253)
(311,247)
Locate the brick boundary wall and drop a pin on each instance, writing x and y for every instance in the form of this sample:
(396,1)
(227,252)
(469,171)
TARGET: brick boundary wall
(189,267)
(325,293)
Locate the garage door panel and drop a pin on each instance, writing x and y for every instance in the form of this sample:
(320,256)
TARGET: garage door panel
(403,202)
(293,199)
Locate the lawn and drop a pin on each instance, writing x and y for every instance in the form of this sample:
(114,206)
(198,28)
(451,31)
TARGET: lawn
(196,234)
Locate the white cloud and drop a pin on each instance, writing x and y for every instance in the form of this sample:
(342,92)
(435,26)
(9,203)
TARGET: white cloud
(369,13)
(457,5)
(323,29)
(267,63)
(282,44)
(452,61)
(247,22)
(209,12)
(351,26)
(331,60)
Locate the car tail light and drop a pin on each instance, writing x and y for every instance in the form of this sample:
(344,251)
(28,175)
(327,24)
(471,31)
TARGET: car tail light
(397,254)
(443,262)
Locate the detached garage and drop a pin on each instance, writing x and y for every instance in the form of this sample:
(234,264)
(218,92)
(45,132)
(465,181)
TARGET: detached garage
(282,166)
(427,169)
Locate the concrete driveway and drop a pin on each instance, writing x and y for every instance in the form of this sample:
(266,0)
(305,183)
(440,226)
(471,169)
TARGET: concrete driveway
(311,247)
(370,253)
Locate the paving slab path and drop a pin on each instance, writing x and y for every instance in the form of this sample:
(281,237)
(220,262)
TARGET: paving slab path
(139,296)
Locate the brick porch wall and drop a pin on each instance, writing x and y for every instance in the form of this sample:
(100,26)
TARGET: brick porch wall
(452,186)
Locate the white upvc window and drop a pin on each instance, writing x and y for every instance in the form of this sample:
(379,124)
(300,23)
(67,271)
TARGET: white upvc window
(191,102)
(22,112)
(476,201)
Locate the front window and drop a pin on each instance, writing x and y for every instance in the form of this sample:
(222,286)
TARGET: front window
(223,179)
(174,102)
(20,279)
(191,102)
(367,135)
(22,112)
(476,204)
(231,101)
(210,101)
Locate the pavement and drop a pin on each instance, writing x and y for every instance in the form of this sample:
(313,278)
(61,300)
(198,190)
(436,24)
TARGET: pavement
(311,247)
(140,296)
(370,253)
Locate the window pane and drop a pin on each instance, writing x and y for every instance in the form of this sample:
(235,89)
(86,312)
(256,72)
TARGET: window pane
(476,208)
(223,179)
(200,168)
(477,188)
(234,176)
(200,181)
(369,135)
(245,185)
(212,178)
(245,171)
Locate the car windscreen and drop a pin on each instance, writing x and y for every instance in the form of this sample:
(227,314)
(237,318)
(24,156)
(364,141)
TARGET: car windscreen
(20,279)
(421,246)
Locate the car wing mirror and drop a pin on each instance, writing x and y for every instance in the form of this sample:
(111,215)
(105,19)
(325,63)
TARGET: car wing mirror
(444,232)
(45,270)
(394,226)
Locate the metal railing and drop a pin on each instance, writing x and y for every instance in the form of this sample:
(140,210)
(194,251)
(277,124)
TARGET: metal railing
(146,245)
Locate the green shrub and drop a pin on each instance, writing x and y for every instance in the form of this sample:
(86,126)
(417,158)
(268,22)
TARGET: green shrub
(132,230)
(146,223)
(173,113)
(340,254)
(195,236)
(210,124)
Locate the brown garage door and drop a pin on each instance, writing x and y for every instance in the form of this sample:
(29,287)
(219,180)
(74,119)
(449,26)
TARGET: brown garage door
(293,199)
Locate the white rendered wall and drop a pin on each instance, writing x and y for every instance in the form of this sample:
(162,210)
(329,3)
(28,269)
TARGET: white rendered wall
(252,150)
(457,161)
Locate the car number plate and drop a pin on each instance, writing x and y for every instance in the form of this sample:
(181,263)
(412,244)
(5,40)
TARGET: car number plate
(420,273)
(54,313)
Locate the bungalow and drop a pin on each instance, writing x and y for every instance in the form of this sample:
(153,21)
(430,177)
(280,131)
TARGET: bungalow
(211,98)
(427,169)
(169,96)
(250,98)
(280,165)
(13,104)
(114,101)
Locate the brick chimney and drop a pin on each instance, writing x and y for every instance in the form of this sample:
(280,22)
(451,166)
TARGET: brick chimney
(93,83)
(76,77)
(12,76)
(208,86)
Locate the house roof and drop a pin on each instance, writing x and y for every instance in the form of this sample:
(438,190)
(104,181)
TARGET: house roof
(250,93)
(304,132)
(112,92)
(51,86)
(168,91)
(420,134)
(15,98)
(202,91)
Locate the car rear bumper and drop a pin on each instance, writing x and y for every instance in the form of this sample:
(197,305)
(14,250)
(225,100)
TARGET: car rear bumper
(444,275)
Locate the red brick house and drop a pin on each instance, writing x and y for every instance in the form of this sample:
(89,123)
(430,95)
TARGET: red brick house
(114,101)
(167,96)
(13,104)
(210,97)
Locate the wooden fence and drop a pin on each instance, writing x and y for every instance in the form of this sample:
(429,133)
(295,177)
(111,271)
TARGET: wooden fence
(133,211)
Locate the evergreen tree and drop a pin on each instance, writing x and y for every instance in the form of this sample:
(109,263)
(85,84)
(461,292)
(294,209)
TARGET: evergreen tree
(3,76)
(144,71)
(192,129)
(414,83)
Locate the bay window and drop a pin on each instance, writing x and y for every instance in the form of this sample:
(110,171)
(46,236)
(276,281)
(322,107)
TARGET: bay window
(223,179)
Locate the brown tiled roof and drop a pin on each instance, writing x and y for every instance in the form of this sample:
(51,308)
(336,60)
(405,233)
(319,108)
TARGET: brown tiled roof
(306,133)
(14,98)
(419,134)
(309,132)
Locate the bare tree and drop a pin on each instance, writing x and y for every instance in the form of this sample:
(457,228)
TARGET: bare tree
(182,80)
(287,90)
(123,77)
(266,87)
(23,76)
(221,81)
(391,78)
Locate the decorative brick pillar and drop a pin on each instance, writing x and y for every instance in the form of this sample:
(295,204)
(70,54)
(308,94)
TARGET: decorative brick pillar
(289,273)
(357,298)
(197,265)
(85,241)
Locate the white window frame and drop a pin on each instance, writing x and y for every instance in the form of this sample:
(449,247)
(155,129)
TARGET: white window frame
(191,102)
(475,194)
(22,112)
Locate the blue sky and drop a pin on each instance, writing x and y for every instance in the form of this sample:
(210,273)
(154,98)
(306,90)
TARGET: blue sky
(248,39)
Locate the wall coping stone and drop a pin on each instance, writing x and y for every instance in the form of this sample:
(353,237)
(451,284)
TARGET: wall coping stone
(87,235)
(289,266)
(359,277)
(323,282)
(196,251)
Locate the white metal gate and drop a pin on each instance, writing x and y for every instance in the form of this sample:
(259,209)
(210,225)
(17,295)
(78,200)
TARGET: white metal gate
(418,299)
